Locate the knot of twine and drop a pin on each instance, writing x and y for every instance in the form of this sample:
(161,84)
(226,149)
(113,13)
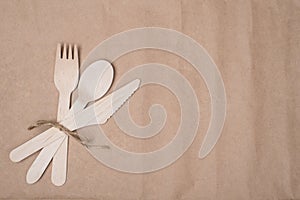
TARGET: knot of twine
(64,129)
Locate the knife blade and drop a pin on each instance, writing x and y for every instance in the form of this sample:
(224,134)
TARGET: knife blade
(103,109)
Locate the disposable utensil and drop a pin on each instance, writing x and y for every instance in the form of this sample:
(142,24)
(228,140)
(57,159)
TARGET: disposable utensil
(66,75)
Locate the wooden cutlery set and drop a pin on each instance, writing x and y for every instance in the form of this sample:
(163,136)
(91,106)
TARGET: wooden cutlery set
(93,84)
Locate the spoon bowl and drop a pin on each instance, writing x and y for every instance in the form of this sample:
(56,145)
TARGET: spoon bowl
(94,83)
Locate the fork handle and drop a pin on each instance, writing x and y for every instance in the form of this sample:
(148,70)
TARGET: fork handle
(63,105)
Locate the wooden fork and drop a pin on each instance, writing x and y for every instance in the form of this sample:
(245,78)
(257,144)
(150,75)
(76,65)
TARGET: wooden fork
(66,75)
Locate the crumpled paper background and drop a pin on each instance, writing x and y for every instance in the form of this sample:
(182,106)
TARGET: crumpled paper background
(256,46)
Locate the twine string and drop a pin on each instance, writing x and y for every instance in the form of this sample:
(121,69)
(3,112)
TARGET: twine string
(73,134)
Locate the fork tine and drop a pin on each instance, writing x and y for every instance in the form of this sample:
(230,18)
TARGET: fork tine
(64,51)
(58,51)
(70,52)
(75,53)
